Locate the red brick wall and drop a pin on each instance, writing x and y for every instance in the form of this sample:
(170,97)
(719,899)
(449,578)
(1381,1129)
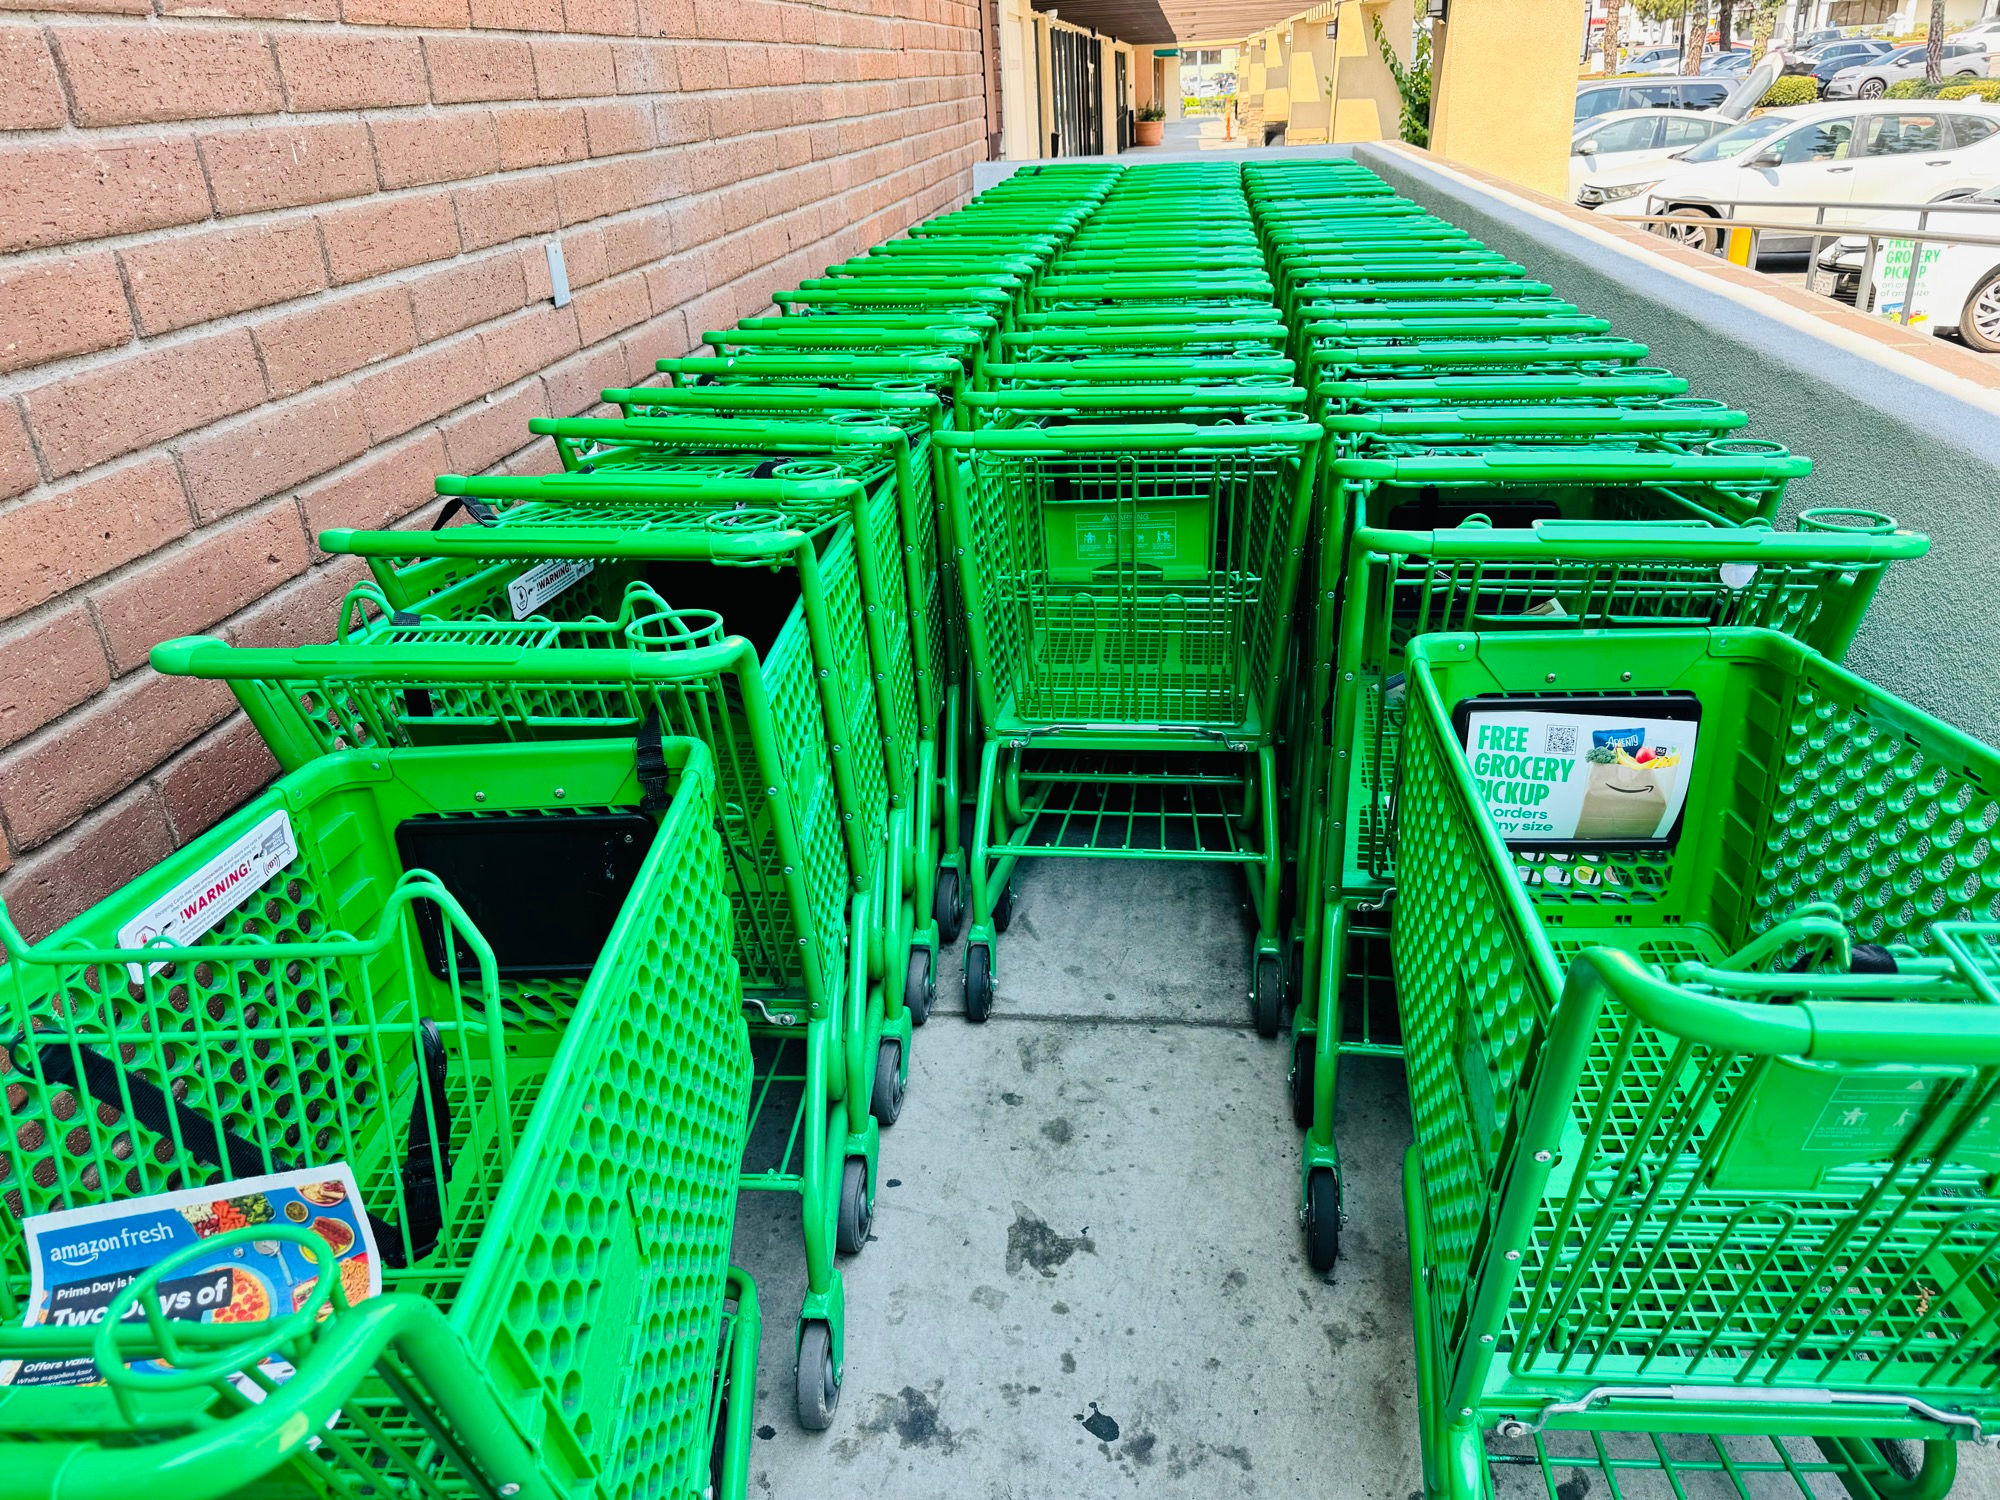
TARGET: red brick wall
(267,266)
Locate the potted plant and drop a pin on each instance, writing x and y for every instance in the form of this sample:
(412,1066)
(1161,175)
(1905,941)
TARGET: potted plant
(1151,124)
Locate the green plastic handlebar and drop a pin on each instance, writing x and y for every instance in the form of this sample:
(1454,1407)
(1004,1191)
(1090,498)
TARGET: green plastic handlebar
(1918,1032)
(257,1341)
(1538,421)
(1160,438)
(1519,466)
(1167,395)
(766,398)
(1642,542)
(632,484)
(696,429)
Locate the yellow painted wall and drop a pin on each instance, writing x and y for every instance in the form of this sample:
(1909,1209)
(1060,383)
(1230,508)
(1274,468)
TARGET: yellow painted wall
(1306,76)
(1364,102)
(1505,96)
(1277,77)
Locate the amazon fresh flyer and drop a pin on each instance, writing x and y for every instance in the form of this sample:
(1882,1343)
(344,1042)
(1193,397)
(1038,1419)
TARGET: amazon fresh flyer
(80,1259)
(1579,777)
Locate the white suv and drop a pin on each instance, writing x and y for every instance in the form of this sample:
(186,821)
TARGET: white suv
(1844,158)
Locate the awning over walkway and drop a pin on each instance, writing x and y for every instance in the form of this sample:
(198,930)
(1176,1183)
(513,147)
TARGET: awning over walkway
(1163,22)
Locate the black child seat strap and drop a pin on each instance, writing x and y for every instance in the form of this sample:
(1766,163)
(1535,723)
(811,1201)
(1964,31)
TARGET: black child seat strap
(650,763)
(423,1177)
(479,510)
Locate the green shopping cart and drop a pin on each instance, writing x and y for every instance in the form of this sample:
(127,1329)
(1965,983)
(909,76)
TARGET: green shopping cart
(1128,590)
(828,1071)
(1703,1050)
(744,432)
(813,560)
(541,1103)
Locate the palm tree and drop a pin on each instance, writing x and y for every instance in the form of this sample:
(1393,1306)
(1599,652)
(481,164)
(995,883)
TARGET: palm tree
(1694,36)
(1934,45)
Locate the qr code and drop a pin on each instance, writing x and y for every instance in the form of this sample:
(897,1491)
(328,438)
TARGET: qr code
(1559,739)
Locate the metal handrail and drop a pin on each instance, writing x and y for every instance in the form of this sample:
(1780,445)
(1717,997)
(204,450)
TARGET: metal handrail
(1865,290)
(1931,205)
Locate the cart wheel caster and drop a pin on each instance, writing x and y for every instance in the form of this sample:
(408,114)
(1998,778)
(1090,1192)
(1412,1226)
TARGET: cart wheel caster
(819,1382)
(1267,1001)
(889,1089)
(1896,1453)
(1003,909)
(919,986)
(857,1214)
(1304,1055)
(948,906)
(978,982)
(1322,1221)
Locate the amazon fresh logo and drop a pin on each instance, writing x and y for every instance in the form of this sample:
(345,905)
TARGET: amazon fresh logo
(78,1253)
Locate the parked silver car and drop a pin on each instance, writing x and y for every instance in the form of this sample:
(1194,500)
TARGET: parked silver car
(1600,97)
(1871,80)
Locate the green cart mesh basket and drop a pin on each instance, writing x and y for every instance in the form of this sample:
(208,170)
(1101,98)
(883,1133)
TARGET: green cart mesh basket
(561,1335)
(1705,1112)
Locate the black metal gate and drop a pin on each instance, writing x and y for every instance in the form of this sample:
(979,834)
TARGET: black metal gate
(1122,94)
(1079,95)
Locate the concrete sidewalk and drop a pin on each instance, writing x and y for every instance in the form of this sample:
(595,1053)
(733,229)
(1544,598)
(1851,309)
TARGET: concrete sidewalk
(1202,133)
(1087,1277)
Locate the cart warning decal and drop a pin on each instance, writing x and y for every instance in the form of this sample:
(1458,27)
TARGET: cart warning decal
(1872,1115)
(1579,776)
(1148,536)
(192,908)
(544,581)
(81,1259)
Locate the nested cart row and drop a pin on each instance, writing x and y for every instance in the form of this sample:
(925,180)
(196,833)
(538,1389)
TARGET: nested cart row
(1200,513)
(1668,915)
(603,884)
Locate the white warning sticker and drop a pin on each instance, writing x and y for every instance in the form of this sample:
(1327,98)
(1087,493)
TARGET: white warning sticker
(193,907)
(544,581)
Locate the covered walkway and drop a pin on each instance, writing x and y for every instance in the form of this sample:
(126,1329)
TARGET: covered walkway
(1201,133)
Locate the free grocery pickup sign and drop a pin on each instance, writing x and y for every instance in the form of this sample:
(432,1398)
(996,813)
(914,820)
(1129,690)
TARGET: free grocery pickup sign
(1580,776)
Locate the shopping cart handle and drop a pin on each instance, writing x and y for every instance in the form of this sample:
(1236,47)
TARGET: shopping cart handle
(776,398)
(215,660)
(624,484)
(1170,393)
(1610,385)
(681,430)
(1582,466)
(226,1457)
(1498,326)
(1179,332)
(1131,371)
(1126,438)
(891,366)
(1933,1028)
(1642,542)
(1539,421)
(427,663)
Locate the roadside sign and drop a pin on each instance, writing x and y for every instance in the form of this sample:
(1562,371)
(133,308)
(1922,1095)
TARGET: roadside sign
(1892,280)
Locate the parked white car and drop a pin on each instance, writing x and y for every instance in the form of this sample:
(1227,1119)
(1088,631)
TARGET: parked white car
(1634,135)
(1958,286)
(1630,137)
(1871,80)
(1846,157)
(1612,188)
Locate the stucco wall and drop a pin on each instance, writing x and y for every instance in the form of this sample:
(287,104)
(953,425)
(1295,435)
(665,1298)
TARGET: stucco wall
(1878,437)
